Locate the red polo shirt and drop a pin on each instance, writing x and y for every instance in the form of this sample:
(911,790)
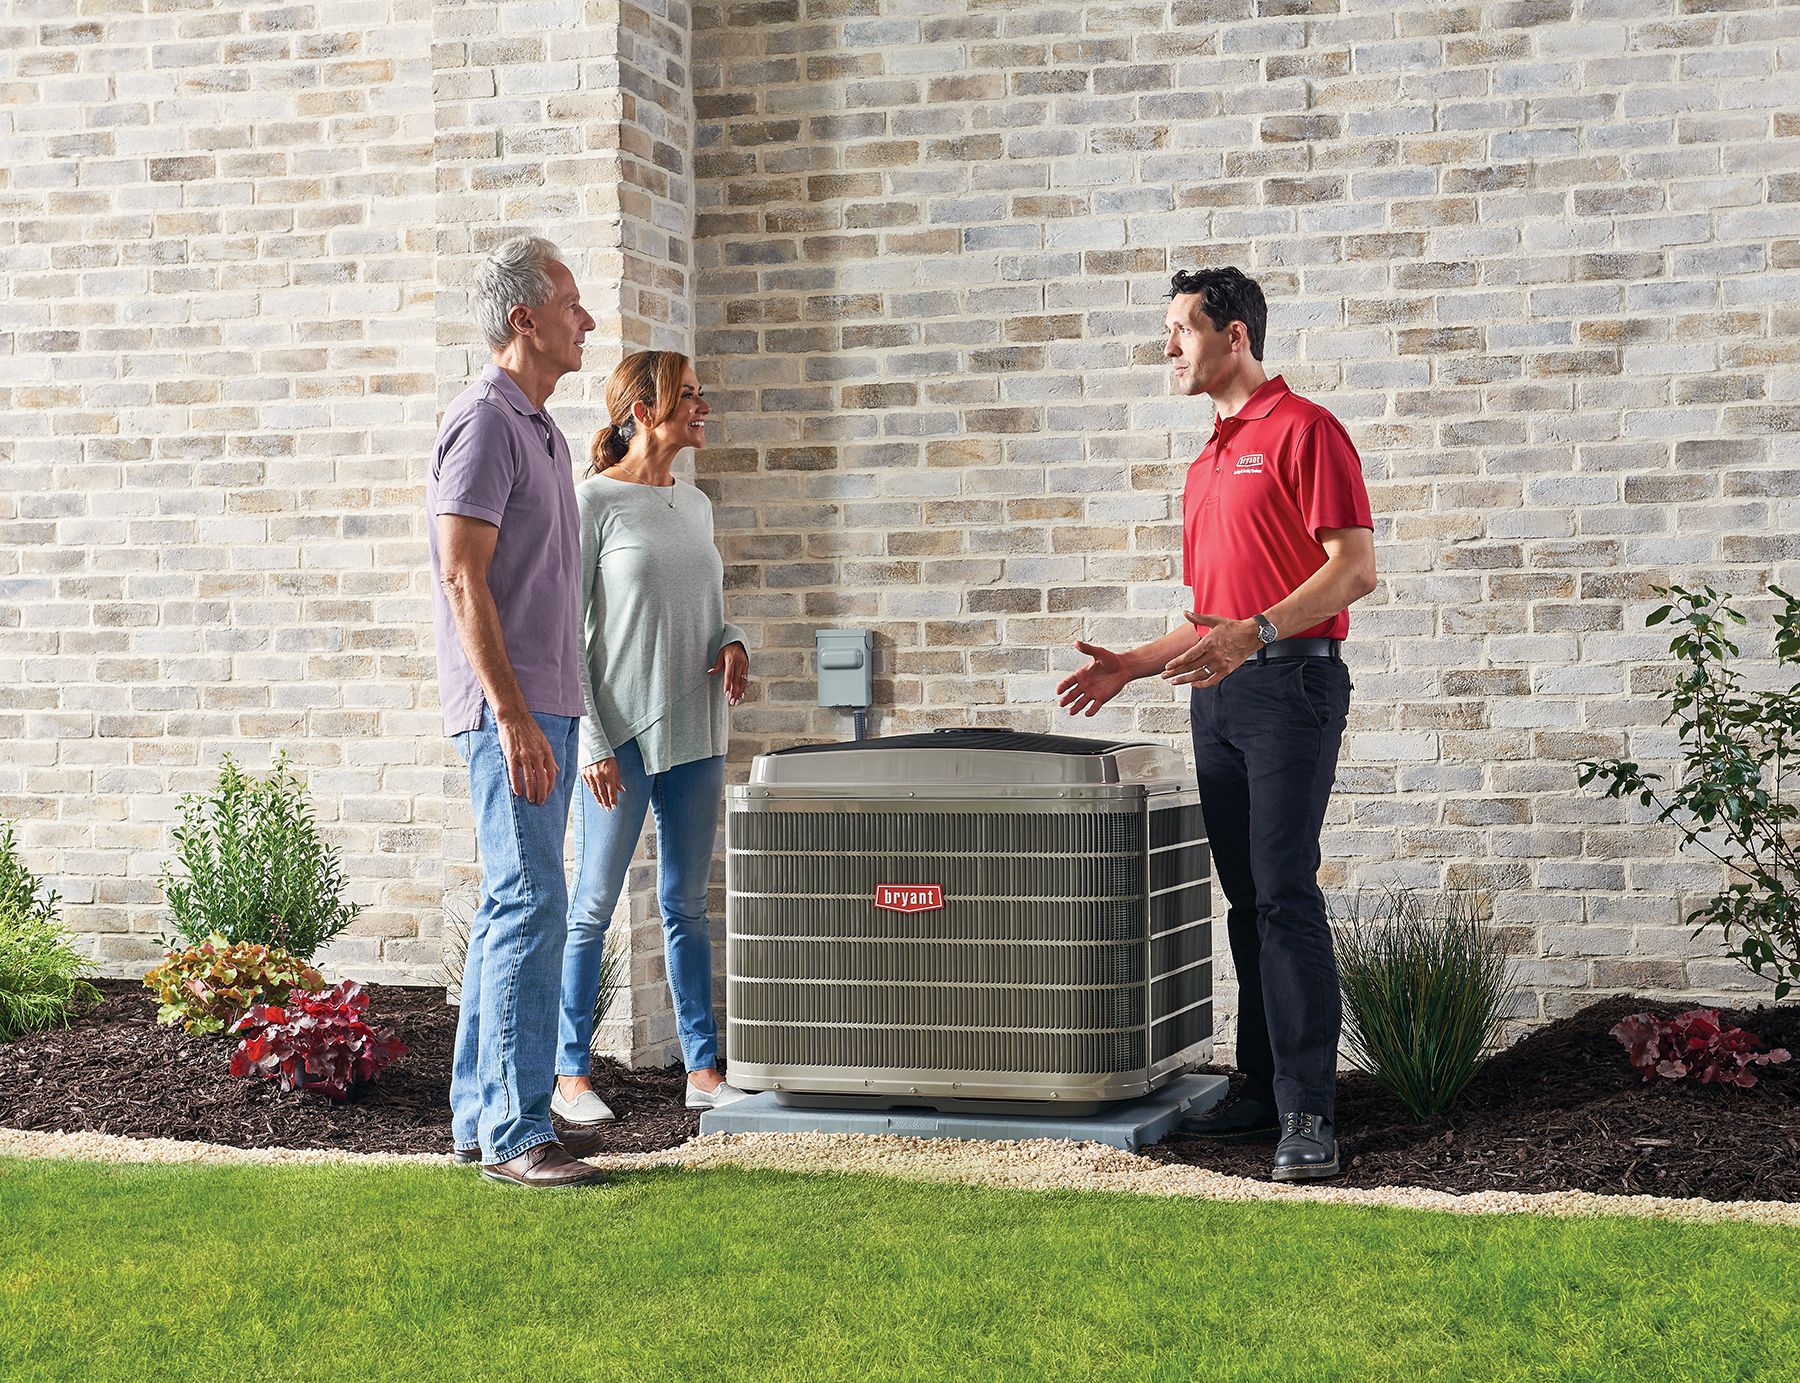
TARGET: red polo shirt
(1272,476)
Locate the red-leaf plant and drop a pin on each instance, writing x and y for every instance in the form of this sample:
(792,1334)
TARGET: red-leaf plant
(1693,1045)
(320,1042)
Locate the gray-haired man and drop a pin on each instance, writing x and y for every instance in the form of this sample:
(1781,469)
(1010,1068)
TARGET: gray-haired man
(505,550)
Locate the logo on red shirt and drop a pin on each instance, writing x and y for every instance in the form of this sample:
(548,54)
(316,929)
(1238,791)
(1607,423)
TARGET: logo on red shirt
(909,897)
(1250,461)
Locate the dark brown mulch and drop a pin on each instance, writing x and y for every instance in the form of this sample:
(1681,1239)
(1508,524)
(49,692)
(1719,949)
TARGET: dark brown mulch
(116,1070)
(1563,1110)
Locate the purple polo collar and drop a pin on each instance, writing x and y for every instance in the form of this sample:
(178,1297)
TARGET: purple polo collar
(508,388)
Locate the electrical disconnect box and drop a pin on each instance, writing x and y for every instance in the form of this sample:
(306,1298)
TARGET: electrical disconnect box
(846,666)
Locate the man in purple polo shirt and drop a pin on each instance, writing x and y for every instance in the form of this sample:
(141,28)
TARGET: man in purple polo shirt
(505,550)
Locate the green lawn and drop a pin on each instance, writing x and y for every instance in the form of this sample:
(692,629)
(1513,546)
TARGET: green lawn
(424,1273)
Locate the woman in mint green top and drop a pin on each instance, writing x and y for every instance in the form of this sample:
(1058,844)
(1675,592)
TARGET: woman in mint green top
(659,668)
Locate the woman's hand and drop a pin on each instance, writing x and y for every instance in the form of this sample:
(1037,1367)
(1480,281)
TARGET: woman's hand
(734,662)
(602,778)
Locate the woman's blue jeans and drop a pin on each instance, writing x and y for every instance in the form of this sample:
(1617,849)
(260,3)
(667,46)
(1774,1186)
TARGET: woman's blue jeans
(685,800)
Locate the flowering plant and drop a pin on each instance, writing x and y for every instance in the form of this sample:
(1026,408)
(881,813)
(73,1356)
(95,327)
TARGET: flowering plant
(320,1042)
(1693,1045)
(205,987)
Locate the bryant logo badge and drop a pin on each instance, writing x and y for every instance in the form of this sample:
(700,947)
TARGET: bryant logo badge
(909,897)
(1252,461)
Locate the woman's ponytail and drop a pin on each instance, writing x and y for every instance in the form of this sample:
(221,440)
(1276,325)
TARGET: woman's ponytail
(610,445)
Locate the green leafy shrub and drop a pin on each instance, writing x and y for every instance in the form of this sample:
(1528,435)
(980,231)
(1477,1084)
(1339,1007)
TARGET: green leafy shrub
(250,866)
(206,987)
(1424,996)
(1735,799)
(40,973)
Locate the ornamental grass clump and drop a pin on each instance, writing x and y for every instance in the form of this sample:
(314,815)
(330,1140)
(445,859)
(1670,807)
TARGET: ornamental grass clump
(615,966)
(250,866)
(40,972)
(615,961)
(1424,996)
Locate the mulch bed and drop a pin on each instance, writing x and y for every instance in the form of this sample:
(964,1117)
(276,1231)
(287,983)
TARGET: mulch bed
(1562,1110)
(117,1070)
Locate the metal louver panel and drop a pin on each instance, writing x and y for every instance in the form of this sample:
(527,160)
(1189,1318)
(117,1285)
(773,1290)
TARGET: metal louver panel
(956,833)
(963,1052)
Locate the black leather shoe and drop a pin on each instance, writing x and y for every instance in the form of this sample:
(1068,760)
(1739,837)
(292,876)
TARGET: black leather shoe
(466,1155)
(1308,1149)
(1239,1117)
(545,1165)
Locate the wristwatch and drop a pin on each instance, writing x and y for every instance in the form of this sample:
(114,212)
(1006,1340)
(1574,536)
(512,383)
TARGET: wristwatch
(1265,630)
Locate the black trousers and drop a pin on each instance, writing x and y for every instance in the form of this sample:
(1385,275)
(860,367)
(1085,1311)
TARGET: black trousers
(1265,752)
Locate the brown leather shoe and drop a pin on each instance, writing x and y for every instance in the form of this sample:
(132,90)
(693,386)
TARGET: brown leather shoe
(545,1165)
(466,1155)
(580,1142)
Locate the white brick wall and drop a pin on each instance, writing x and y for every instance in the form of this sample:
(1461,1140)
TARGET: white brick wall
(217,257)
(1540,257)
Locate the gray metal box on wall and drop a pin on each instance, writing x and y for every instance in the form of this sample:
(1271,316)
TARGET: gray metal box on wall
(967,916)
(846,666)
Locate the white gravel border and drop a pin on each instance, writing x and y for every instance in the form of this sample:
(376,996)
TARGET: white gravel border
(1034,1165)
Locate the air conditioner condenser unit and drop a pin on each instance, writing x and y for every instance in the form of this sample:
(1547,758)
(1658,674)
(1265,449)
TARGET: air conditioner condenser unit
(967,919)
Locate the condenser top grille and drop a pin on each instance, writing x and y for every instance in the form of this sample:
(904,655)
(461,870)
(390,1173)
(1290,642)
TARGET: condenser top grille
(1005,741)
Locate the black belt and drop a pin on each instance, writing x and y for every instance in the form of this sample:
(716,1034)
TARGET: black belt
(1302,648)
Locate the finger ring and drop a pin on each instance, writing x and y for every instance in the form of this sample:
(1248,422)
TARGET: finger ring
(1206,672)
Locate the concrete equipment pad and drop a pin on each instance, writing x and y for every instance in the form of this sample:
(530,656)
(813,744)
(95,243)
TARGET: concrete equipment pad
(1131,1124)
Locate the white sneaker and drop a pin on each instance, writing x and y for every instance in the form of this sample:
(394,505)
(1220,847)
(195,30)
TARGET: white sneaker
(585,1108)
(720,1095)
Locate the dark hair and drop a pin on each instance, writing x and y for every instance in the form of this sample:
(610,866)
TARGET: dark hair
(1228,295)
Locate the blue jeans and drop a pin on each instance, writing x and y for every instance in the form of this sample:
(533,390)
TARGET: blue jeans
(500,1076)
(686,802)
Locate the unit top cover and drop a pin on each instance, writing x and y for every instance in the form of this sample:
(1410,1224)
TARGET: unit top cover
(969,757)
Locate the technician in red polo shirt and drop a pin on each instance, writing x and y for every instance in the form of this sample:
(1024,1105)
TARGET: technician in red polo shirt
(1277,543)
